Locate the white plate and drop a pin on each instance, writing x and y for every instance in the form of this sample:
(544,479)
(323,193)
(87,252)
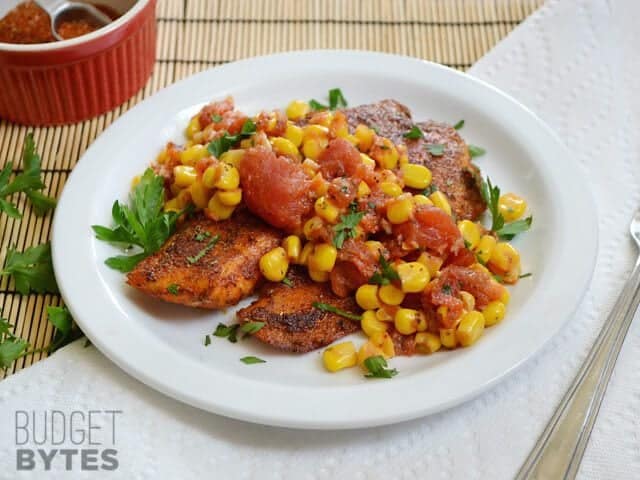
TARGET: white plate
(162,345)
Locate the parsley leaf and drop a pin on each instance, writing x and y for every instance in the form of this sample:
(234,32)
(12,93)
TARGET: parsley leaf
(510,230)
(475,151)
(250,360)
(207,340)
(224,143)
(377,367)
(173,289)
(61,319)
(325,307)
(200,236)
(31,269)
(11,350)
(414,134)
(228,332)
(317,106)
(346,228)
(459,125)
(336,99)
(210,244)
(435,149)
(525,275)
(142,223)
(252,327)
(216,118)
(386,274)
(287,282)
(491,196)
(446,289)
(429,190)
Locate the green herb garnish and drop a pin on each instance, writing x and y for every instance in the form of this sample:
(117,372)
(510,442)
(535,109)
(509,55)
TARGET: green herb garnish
(173,289)
(317,106)
(210,244)
(216,118)
(31,269)
(336,99)
(491,196)
(435,149)
(325,307)
(429,190)
(414,134)
(252,327)
(446,289)
(525,275)
(377,367)
(250,360)
(475,151)
(200,236)
(224,143)
(510,230)
(459,125)
(207,340)
(230,332)
(346,228)
(386,274)
(287,282)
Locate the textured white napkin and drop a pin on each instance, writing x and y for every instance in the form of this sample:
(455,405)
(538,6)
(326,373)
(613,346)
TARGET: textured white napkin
(576,64)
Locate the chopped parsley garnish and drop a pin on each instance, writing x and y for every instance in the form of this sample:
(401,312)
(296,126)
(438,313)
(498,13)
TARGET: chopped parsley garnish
(375,129)
(336,99)
(317,106)
(429,190)
(414,134)
(378,368)
(216,118)
(498,278)
(250,360)
(491,195)
(325,307)
(207,340)
(476,151)
(346,228)
(287,282)
(435,149)
(200,236)
(386,274)
(230,332)
(525,275)
(459,125)
(173,289)
(252,327)
(224,143)
(210,244)
(446,289)
(142,223)
(31,269)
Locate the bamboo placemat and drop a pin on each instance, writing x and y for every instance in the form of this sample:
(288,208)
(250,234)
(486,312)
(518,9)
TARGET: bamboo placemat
(194,35)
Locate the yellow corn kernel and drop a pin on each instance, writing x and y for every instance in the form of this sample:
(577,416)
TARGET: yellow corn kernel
(311,225)
(230,198)
(432,263)
(184,198)
(339,356)
(232,157)
(363,190)
(421,200)
(313,132)
(294,134)
(505,297)
(247,143)
(478,267)
(217,210)
(468,300)
(352,139)
(292,246)
(192,154)
(385,153)
(274,264)
(365,136)
(175,189)
(285,147)
(367,160)
(406,321)
(400,210)
(310,167)
(375,246)
(162,157)
(390,294)
(442,311)
(427,342)
(210,176)
(303,259)
(441,201)
(323,258)
(416,176)
(367,297)
(135,181)
(383,315)
(371,325)
(368,349)
(318,276)
(314,147)
(172,205)
(193,127)
(229,177)
(326,210)
(448,337)
(512,206)
(297,109)
(504,257)
(493,313)
(485,247)
(322,118)
(200,194)
(470,328)
(391,189)
(403,160)
(470,233)
(414,276)
(384,341)
(184,176)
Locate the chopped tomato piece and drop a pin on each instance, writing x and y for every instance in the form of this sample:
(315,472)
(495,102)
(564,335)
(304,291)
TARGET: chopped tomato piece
(355,266)
(431,229)
(341,159)
(210,111)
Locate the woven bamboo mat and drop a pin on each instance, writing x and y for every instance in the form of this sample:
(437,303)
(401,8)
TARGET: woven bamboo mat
(194,35)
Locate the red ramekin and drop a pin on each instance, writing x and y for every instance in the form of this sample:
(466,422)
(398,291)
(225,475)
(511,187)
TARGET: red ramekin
(73,80)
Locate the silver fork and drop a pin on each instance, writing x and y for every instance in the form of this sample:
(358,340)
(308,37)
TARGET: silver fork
(559,450)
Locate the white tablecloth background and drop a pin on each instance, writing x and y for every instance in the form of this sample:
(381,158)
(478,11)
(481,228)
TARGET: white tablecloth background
(577,65)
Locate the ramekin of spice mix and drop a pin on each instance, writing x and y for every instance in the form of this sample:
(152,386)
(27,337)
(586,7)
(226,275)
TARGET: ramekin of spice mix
(49,82)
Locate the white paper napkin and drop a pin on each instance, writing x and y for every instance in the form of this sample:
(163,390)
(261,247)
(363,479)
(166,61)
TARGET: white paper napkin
(576,64)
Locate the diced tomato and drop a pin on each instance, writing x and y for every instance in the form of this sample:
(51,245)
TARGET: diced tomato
(341,159)
(463,258)
(355,266)
(265,123)
(431,229)
(342,191)
(215,108)
(276,189)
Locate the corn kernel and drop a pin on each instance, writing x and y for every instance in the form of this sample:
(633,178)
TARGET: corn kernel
(421,200)
(403,160)
(217,210)
(363,190)
(504,257)
(427,342)
(485,247)
(294,134)
(442,311)
(390,294)
(210,176)
(230,198)
(512,206)
(365,136)
(314,132)
(414,276)
(406,321)
(172,205)
(383,314)
(385,153)
(192,154)
(367,160)
(200,194)
(400,210)
(303,259)
(229,177)
(371,325)
(416,176)
(285,147)
(368,349)
(470,233)
(193,127)
(367,297)
(441,201)
(314,147)
(323,258)
(311,225)
(310,167)
(184,176)
(470,328)
(326,210)
(247,143)
(391,189)
(274,264)
(468,299)
(432,263)
(448,337)
(232,157)
(493,313)
(505,297)
(292,246)
(318,276)
(297,109)
(339,356)
(384,341)
(376,247)
(323,118)
(478,267)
